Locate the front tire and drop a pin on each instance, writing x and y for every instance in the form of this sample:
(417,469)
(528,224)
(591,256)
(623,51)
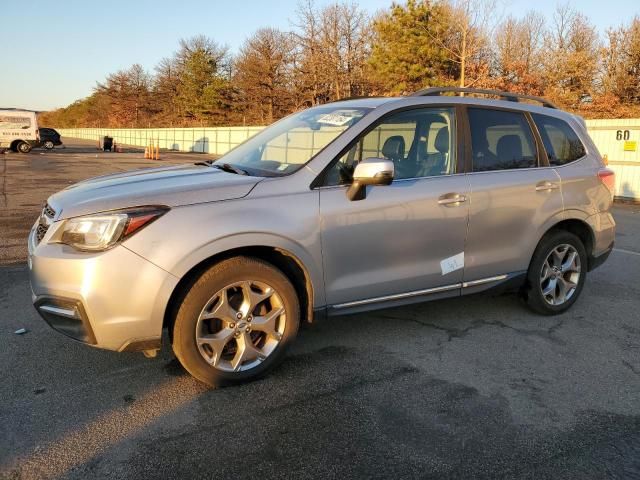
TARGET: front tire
(556,274)
(24,147)
(236,321)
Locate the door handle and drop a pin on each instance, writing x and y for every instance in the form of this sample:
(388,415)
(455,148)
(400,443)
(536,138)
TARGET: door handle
(546,186)
(452,199)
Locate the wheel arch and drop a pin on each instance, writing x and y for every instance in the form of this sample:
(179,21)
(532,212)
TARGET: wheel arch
(292,267)
(15,143)
(579,228)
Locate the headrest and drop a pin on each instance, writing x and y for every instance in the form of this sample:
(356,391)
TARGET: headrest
(442,140)
(509,147)
(393,147)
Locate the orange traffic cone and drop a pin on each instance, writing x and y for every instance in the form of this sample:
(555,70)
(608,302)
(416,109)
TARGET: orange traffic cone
(146,152)
(158,152)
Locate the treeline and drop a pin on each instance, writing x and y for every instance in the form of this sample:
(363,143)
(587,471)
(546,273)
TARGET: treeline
(339,51)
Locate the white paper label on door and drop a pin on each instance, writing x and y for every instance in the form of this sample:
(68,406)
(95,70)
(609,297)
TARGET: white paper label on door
(452,264)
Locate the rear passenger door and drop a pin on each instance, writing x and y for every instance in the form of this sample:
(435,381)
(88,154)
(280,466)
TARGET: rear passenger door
(514,192)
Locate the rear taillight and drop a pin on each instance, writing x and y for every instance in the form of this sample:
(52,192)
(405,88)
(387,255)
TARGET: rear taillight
(608,178)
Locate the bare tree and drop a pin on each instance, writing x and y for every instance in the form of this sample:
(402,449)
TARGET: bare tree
(467,26)
(518,54)
(621,62)
(570,56)
(332,50)
(519,41)
(309,55)
(263,74)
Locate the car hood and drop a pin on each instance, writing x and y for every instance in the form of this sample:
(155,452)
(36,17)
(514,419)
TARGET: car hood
(171,186)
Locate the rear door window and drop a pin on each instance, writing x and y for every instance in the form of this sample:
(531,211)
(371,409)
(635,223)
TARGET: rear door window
(501,140)
(560,141)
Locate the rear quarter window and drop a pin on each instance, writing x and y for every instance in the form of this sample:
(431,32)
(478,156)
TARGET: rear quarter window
(560,140)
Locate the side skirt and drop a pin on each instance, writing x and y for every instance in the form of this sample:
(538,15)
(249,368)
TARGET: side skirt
(501,283)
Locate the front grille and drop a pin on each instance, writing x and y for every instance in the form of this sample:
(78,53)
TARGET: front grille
(40,231)
(48,211)
(46,217)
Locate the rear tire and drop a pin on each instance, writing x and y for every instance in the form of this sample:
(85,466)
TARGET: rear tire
(48,145)
(557,273)
(24,147)
(236,321)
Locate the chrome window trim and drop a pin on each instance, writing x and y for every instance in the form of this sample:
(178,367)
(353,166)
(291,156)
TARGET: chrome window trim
(546,167)
(325,187)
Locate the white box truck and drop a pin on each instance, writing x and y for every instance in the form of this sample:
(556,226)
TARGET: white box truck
(18,130)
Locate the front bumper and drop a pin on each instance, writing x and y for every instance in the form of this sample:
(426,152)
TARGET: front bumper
(114,299)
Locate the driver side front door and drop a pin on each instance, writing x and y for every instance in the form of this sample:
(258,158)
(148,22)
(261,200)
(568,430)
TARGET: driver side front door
(405,240)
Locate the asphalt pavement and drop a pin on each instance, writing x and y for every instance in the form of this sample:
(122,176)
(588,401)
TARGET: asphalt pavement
(475,387)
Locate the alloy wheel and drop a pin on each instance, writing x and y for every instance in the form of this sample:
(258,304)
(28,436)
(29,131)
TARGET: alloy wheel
(240,326)
(560,274)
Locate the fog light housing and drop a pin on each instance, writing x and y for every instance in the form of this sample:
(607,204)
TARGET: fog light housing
(67,317)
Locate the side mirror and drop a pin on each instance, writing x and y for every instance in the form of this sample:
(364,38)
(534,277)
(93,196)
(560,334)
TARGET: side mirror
(371,171)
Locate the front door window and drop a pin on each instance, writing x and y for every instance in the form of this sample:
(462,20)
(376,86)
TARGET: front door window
(420,143)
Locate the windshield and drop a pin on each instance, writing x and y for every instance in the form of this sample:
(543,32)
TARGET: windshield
(289,144)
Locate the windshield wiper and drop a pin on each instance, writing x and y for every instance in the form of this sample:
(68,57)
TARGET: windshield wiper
(227,167)
(206,163)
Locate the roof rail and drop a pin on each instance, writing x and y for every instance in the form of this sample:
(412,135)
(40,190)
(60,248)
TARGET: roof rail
(512,97)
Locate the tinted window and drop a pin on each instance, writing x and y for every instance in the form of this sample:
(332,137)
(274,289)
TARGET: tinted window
(500,140)
(419,142)
(560,141)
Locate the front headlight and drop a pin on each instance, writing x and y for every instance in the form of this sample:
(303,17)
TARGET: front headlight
(102,231)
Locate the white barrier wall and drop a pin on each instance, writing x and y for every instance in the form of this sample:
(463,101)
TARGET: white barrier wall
(216,140)
(619,140)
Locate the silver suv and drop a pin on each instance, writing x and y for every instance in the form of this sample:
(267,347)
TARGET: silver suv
(341,208)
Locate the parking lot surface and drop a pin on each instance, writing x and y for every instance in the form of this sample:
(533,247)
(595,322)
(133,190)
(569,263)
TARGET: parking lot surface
(476,387)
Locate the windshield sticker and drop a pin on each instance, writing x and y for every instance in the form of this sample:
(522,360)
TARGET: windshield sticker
(338,118)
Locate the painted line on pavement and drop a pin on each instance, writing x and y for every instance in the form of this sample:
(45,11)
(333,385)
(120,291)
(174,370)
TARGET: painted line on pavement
(622,250)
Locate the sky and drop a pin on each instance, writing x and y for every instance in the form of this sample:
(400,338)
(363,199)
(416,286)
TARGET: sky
(55,52)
